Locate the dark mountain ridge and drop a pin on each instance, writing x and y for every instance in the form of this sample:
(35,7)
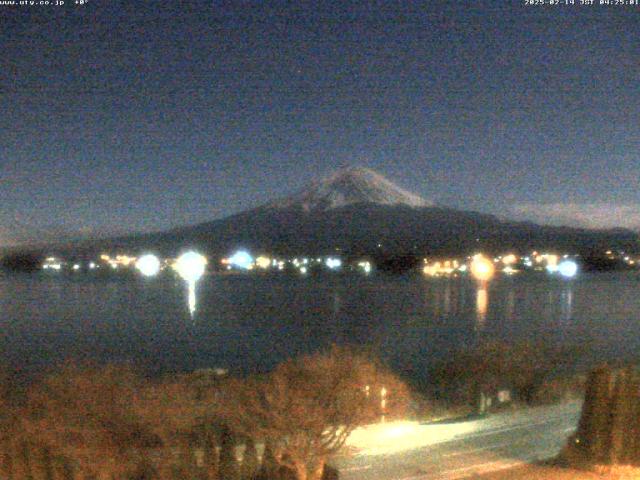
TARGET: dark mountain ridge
(358,212)
(370,229)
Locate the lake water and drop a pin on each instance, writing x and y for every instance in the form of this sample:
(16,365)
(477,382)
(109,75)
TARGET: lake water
(248,323)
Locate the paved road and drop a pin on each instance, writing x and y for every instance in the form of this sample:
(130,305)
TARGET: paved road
(411,451)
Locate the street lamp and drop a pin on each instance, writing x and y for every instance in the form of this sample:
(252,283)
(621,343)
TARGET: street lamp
(148,265)
(190,266)
(568,268)
(482,268)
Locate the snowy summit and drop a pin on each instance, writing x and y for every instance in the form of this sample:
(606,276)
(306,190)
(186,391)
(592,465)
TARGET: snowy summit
(350,186)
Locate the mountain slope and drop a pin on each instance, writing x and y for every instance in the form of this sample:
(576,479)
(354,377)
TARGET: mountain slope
(372,229)
(357,211)
(349,186)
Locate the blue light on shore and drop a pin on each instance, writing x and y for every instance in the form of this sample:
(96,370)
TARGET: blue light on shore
(568,268)
(241,259)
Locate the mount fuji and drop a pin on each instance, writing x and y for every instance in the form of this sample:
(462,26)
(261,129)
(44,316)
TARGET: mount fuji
(356,211)
(349,186)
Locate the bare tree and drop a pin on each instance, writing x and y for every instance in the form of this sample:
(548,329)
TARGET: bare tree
(610,421)
(250,462)
(522,367)
(307,407)
(177,410)
(85,415)
(229,468)
(7,430)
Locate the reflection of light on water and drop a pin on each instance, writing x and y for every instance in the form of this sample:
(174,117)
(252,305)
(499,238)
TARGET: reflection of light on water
(191,266)
(567,304)
(336,303)
(192,297)
(510,306)
(447,299)
(436,300)
(482,302)
(550,305)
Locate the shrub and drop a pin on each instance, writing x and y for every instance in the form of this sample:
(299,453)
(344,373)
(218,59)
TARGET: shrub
(307,407)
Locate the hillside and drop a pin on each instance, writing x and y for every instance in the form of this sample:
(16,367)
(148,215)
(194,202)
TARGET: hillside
(357,211)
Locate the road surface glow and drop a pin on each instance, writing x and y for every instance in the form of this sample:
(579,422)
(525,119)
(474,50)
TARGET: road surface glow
(457,450)
(394,437)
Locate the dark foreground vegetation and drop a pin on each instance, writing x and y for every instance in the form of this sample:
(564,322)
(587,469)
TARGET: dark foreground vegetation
(606,445)
(609,428)
(527,373)
(21,262)
(113,423)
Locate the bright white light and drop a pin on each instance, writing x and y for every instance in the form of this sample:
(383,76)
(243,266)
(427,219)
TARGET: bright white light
(303,270)
(333,263)
(76,267)
(366,266)
(568,268)
(92,265)
(190,266)
(241,259)
(149,265)
(552,268)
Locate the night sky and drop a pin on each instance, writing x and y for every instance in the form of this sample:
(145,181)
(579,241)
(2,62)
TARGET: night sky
(126,116)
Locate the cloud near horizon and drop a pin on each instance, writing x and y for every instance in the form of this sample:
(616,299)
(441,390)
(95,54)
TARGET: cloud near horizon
(588,215)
